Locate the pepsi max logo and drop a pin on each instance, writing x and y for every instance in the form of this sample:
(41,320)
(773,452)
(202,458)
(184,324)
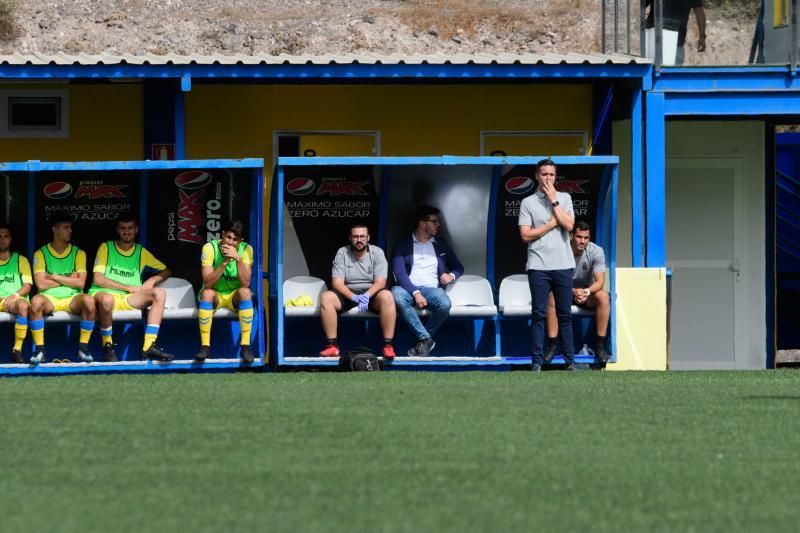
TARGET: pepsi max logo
(193,179)
(519,185)
(300,186)
(57,190)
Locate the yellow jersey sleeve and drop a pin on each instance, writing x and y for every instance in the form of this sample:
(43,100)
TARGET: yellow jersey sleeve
(80,261)
(25,270)
(38,261)
(207,255)
(148,260)
(101,259)
(247,256)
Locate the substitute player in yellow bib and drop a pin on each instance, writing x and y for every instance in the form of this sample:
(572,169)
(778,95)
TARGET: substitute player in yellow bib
(226,265)
(59,270)
(15,286)
(118,269)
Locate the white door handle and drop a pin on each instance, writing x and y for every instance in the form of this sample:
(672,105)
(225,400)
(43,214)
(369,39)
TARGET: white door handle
(736,265)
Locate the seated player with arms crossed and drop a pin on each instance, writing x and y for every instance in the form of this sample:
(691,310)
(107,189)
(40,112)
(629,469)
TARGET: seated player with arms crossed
(15,286)
(59,270)
(226,266)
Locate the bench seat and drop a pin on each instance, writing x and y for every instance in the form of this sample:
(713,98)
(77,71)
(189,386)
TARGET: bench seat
(180,304)
(515,298)
(525,310)
(470,296)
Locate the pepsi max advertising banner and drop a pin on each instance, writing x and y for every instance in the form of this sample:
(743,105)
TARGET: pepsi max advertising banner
(323,203)
(582,182)
(92,199)
(188,208)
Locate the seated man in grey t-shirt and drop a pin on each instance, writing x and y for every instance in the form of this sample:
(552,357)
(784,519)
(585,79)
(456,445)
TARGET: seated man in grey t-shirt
(358,279)
(587,287)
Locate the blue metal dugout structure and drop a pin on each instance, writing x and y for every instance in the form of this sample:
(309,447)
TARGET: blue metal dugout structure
(180,205)
(316,200)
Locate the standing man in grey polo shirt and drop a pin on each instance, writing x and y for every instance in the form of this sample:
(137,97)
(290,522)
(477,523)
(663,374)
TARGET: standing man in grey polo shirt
(358,279)
(545,219)
(587,289)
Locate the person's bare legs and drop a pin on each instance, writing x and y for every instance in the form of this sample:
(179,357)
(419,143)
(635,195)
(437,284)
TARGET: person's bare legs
(601,303)
(329,308)
(154,298)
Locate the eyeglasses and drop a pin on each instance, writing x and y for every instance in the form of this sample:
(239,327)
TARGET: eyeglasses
(359,237)
(434,220)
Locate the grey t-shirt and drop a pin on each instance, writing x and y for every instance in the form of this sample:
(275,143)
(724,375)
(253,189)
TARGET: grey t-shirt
(592,260)
(359,274)
(552,250)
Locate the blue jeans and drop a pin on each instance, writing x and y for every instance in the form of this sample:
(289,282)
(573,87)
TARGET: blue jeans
(542,282)
(438,305)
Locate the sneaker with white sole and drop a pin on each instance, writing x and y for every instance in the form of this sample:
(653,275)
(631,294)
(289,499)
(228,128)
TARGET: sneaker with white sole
(37,357)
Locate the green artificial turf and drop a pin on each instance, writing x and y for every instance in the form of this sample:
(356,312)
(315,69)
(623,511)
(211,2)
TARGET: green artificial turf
(401,451)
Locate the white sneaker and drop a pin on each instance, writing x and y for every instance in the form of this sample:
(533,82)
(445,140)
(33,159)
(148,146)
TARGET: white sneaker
(37,358)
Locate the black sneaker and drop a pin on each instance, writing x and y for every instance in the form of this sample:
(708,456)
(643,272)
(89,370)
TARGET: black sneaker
(16,357)
(425,347)
(202,354)
(109,355)
(422,348)
(550,352)
(601,353)
(156,353)
(247,354)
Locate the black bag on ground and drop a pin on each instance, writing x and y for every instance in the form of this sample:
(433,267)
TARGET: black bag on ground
(360,360)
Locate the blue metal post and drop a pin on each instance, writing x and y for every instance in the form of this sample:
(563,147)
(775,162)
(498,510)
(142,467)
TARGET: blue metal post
(180,124)
(256,225)
(637,189)
(655,187)
(277,231)
(770,225)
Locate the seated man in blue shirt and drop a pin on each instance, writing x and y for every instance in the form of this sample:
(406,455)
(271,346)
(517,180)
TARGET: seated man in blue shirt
(423,265)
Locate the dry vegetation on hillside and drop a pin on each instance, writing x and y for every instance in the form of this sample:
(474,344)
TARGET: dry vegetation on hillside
(341,26)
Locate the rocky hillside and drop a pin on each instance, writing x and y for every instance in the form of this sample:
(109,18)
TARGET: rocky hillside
(343,26)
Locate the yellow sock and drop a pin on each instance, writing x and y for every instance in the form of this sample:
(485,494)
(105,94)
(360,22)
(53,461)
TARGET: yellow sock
(246,320)
(37,333)
(20,330)
(86,331)
(150,334)
(105,335)
(204,314)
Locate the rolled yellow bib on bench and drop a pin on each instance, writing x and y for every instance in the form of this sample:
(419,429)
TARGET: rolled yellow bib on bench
(304,300)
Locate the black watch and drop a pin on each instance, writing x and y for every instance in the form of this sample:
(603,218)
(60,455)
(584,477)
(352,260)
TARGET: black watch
(554,204)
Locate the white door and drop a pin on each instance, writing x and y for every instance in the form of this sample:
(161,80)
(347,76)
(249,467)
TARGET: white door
(706,251)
